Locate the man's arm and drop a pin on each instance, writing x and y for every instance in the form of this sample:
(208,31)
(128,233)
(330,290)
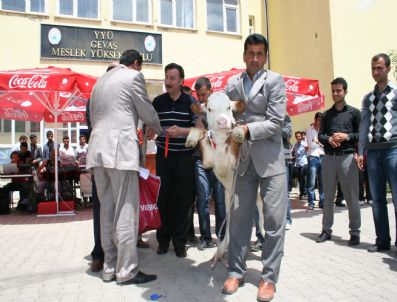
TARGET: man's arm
(363,132)
(143,105)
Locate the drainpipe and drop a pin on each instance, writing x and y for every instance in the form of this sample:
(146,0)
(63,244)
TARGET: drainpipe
(267,31)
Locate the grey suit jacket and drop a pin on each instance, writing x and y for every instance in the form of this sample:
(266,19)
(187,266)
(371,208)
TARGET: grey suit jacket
(119,99)
(264,115)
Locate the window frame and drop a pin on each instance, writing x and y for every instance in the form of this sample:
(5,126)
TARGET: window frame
(75,13)
(226,6)
(173,3)
(134,15)
(27,8)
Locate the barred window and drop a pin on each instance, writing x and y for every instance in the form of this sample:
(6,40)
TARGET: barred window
(223,15)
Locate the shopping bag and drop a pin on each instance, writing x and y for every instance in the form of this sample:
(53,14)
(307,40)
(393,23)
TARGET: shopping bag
(149,214)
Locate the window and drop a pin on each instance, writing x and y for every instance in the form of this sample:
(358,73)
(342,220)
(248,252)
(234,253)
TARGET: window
(223,15)
(131,10)
(178,13)
(27,6)
(78,8)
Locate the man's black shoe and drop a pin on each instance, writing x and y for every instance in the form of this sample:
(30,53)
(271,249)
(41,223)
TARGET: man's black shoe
(162,250)
(378,248)
(181,253)
(192,239)
(323,237)
(139,279)
(204,244)
(354,240)
(257,247)
(340,203)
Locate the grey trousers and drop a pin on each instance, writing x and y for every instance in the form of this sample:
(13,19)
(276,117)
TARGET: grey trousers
(342,168)
(118,194)
(273,191)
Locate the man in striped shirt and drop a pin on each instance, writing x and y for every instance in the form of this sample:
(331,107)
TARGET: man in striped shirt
(174,162)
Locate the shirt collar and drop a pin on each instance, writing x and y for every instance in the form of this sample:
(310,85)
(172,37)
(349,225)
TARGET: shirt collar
(256,76)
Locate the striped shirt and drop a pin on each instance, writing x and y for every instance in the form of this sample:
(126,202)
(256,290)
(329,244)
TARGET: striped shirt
(172,113)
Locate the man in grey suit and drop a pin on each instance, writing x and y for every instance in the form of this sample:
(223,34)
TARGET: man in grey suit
(261,164)
(118,101)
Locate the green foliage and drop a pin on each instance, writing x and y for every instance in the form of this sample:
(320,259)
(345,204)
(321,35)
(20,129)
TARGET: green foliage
(393,58)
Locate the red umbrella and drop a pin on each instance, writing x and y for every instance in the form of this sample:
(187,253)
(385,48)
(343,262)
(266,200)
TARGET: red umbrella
(55,94)
(303,95)
(51,93)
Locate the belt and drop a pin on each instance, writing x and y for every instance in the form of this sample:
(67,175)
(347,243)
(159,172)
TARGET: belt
(337,153)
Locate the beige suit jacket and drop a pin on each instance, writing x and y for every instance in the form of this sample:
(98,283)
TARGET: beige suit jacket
(119,99)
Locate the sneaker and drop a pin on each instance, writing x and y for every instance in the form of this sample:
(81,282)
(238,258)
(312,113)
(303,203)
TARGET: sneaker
(257,247)
(204,244)
(288,226)
(310,207)
(340,203)
(192,239)
(378,248)
(361,202)
(370,202)
(323,237)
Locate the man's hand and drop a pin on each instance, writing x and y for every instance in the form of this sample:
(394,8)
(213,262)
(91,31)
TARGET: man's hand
(200,124)
(339,137)
(360,162)
(149,133)
(333,143)
(173,131)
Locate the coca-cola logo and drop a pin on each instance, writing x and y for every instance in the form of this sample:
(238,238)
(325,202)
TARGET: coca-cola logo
(14,114)
(216,82)
(304,107)
(292,85)
(72,116)
(34,82)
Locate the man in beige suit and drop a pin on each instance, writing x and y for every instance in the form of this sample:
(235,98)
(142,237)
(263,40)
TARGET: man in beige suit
(261,164)
(118,101)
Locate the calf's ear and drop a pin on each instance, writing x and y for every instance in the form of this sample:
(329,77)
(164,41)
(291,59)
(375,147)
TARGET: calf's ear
(198,109)
(238,106)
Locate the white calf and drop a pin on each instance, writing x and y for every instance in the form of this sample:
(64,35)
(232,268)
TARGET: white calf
(220,147)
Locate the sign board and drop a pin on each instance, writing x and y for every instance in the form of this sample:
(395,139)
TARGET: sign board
(97,44)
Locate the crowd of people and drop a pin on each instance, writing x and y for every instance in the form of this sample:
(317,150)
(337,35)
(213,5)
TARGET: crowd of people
(328,155)
(30,158)
(343,149)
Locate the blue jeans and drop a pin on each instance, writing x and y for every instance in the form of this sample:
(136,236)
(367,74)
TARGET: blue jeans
(313,172)
(382,168)
(205,180)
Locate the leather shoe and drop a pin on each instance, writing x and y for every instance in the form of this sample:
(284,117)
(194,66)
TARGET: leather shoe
(162,250)
(139,279)
(181,253)
(265,291)
(142,244)
(378,248)
(96,265)
(354,240)
(231,285)
(323,237)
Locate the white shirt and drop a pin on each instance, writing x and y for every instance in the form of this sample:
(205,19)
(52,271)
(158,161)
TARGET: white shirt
(66,156)
(81,154)
(314,147)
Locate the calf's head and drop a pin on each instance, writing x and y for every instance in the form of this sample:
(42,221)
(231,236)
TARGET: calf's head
(219,110)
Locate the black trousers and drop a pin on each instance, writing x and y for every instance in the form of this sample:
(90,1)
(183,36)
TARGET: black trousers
(175,198)
(97,252)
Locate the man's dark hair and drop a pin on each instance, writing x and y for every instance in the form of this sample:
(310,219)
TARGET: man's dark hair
(256,39)
(129,56)
(49,132)
(340,81)
(32,136)
(82,135)
(318,115)
(383,56)
(177,67)
(14,152)
(23,144)
(298,132)
(186,89)
(203,81)
(66,137)
(23,137)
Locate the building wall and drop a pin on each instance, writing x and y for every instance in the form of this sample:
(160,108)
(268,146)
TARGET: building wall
(360,30)
(300,44)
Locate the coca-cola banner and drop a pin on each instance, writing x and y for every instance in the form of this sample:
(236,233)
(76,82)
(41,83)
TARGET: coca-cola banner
(34,94)
(97,44)
(303,95)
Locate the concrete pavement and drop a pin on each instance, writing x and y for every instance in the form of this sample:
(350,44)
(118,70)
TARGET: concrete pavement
(47,259)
